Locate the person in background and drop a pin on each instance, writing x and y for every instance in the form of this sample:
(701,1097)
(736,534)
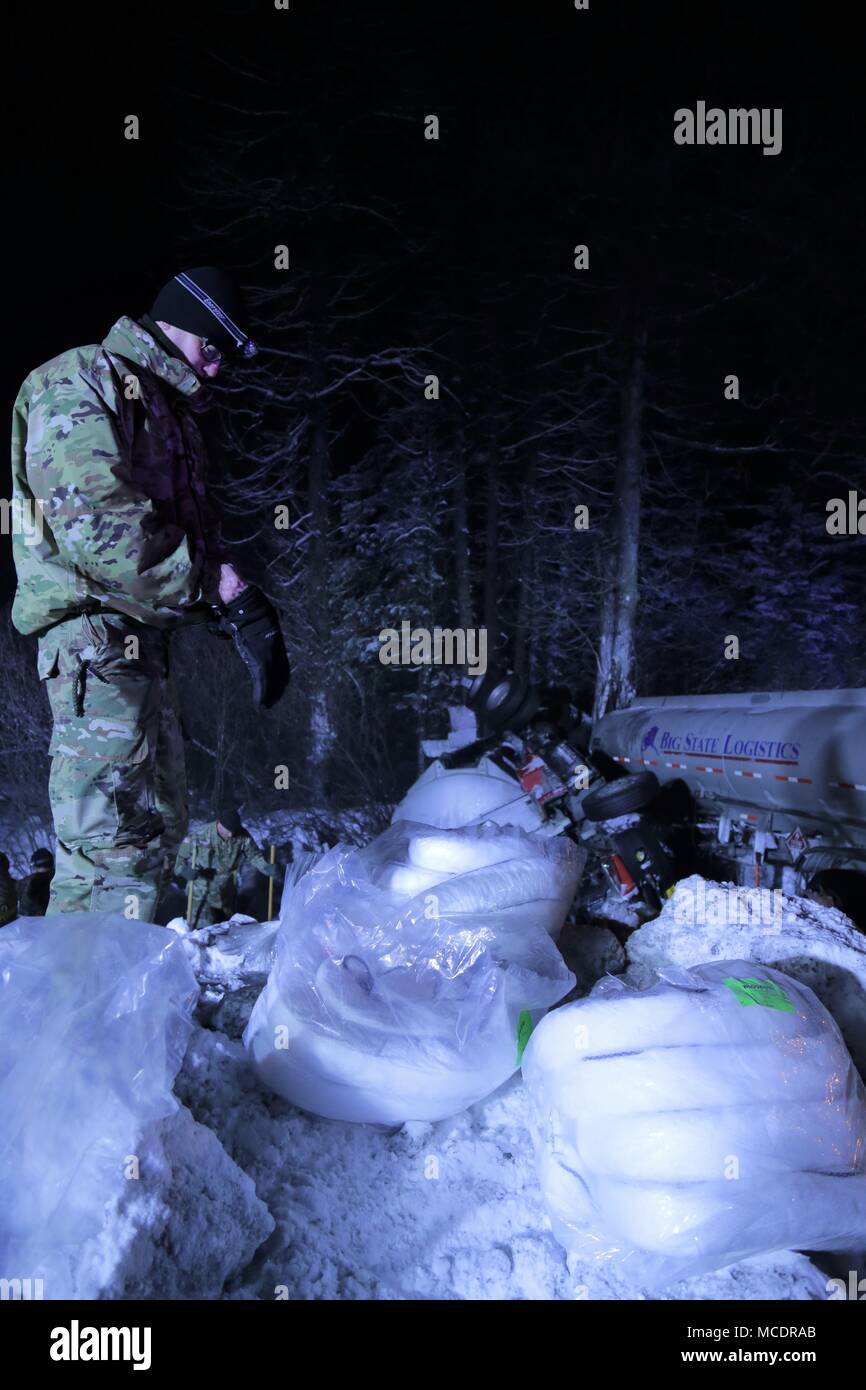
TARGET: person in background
(35,890)
(211,858)
(8,893)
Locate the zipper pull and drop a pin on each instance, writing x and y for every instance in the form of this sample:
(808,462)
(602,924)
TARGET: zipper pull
(79,687)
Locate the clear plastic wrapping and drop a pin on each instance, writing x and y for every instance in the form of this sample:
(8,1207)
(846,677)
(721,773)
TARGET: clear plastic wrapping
(95,1014)
(390,1004)
(714,1116)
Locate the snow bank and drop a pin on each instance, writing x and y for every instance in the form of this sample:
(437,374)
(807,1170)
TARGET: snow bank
(816,945)
(449,1210)
(224,956)
(108,1189)
(190,1220)
(445,1210)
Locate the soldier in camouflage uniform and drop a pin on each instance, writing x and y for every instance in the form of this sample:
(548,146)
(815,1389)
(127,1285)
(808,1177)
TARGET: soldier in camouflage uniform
(108,459)
(220,850)
(35,890)
(8,893)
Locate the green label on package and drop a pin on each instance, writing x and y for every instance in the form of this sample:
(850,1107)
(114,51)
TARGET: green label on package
(524,1028)
(765,992)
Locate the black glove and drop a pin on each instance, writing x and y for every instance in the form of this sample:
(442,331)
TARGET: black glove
(252,621)
(185,877)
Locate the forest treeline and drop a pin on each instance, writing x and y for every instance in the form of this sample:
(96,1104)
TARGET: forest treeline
(544,372)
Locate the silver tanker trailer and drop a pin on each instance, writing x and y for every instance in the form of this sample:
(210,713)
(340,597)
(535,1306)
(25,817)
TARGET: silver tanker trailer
(765,789)
(776,781)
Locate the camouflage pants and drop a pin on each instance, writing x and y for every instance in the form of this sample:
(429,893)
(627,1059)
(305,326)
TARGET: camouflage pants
(212,902)
(117,784)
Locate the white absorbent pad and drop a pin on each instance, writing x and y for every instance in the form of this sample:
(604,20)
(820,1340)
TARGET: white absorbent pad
(462,854)
(691,1078)
(386,1006)
(451,798)
(735,1142)
(715,1116)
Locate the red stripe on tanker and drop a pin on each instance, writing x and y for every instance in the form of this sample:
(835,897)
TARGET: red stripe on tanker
(819,735)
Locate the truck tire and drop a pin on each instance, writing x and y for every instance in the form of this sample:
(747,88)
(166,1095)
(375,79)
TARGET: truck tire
(617,798)
(503,702)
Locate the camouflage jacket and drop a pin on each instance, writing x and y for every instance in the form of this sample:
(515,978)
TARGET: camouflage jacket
(225,857)
(217,865)
(108,468)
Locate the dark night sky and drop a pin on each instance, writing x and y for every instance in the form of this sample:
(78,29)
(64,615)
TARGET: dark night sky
(562,101)
(94,228)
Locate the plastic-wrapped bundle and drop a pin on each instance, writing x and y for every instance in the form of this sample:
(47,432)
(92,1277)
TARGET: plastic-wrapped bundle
(715,1116)
(481,869)
(387,1007)
(95,1013)
(454,797)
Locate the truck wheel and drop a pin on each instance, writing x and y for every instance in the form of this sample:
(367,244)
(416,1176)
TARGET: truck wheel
(503,701)
(617,798)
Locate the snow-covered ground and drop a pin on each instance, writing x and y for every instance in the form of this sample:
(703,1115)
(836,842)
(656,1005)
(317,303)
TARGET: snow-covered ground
(427,1211)
(246,1197)
(451,1210)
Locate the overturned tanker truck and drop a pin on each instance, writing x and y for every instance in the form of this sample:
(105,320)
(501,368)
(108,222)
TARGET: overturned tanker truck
(766,789)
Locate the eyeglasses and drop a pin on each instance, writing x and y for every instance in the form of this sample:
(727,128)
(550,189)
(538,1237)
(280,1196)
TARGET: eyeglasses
(210,352)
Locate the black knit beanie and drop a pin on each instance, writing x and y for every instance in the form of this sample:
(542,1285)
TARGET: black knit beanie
(229,818)
(207,302)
